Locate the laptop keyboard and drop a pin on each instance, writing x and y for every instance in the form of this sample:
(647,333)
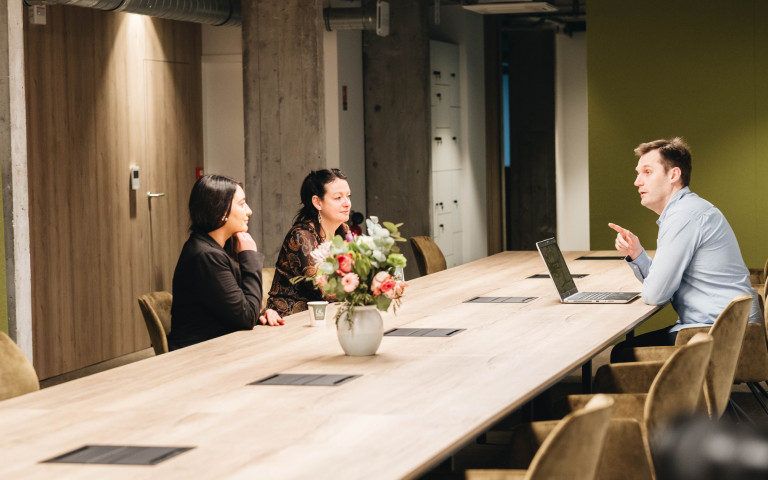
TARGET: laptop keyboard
(592,295)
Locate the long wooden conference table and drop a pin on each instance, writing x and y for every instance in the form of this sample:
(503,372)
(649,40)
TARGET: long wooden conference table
(415,402)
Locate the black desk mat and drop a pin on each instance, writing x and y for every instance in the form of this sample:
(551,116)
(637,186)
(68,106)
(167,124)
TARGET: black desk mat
(423,332)
(300,379)
(544,275)
(500,300)
(118,455)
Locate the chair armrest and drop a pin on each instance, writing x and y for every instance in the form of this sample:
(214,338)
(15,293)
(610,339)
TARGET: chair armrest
(644,354)
(495,474)
(524,441)
(635,377)
(753,359)
(541,430)
(625,451)
(685,334)
(653,354)
(625,405)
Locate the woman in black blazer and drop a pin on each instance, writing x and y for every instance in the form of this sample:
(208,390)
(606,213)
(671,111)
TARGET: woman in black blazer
(217,283)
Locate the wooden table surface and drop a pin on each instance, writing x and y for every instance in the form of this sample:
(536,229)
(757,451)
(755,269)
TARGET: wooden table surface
(417,401)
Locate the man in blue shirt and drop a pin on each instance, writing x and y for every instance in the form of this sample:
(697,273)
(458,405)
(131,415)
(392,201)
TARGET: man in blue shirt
(698,265)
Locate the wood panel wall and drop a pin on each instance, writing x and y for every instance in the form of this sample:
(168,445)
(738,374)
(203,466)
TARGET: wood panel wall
(106,91)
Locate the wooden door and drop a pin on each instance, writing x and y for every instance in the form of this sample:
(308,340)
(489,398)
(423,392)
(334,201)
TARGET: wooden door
(97,106)
(172,121)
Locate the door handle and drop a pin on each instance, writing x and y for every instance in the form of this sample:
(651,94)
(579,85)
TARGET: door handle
(155,195)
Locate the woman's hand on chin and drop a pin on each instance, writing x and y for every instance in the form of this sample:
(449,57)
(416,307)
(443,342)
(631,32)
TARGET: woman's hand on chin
(271,318)
(245,242)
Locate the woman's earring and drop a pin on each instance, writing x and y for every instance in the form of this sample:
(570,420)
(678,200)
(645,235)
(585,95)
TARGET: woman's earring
(226,218)
(319,217)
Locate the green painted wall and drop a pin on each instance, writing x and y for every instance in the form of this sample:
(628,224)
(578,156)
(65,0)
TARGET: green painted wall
(699,70)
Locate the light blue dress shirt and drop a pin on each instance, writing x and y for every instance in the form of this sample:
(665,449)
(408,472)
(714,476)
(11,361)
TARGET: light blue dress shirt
(698,264)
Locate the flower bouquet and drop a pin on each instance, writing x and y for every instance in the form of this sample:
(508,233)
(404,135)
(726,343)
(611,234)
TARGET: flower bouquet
(361,270)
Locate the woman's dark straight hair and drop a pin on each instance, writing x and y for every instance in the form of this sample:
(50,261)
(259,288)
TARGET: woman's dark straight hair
(210,202)
(314,184)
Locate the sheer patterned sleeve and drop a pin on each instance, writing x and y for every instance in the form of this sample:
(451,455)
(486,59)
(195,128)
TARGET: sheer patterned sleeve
(300,247)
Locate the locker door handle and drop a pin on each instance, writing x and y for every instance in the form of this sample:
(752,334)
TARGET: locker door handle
(155,195)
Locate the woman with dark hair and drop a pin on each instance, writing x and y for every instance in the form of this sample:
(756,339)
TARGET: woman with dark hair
(217,283)
(325,207)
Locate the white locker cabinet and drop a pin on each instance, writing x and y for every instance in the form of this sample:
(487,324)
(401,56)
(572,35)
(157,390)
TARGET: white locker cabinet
(446,142)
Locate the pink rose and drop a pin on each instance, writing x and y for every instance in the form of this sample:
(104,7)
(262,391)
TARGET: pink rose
(397,290)
(345,263)
(382,282)
(321,281)
(350,282)
(350,237)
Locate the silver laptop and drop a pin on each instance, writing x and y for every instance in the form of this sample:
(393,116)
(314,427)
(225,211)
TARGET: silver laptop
(558,271)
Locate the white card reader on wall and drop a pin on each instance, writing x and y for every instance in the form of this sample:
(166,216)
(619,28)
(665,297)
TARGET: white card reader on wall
(134,177)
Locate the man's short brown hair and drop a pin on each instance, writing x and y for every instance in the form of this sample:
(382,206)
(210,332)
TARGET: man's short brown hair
(674,153)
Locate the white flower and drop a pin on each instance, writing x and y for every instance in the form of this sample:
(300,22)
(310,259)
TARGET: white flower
(326,268)
(379,256)
(339,250)
(366,241)
(322,252)
(370,222)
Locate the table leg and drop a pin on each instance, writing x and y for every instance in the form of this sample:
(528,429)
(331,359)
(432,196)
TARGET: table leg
(586,377)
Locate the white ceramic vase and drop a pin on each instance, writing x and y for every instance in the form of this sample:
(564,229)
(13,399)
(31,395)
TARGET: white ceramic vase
(361,336)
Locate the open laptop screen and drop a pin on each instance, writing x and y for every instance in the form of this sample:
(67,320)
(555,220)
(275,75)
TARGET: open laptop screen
(557,267)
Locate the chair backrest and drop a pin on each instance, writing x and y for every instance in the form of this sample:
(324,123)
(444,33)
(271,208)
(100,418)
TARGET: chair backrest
(676,389)
(573,448)
(728,336)
(429,258)
(17,375)
(156,310)
(267,275)
(738,351)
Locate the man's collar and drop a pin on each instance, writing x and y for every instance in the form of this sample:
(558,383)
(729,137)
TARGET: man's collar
(675,198)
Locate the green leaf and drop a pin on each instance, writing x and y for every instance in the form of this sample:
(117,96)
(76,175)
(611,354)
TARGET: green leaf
(390,226)
(382,302)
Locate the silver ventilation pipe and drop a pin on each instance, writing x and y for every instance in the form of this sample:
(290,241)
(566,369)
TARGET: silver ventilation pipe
(210,12)
(349,19)
(376,18)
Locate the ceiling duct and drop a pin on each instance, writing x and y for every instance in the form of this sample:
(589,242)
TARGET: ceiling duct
(494,7)
(376,18)
(210,12)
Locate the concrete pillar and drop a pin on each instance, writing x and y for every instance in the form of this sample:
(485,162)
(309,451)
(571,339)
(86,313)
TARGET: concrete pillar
(283,93)
(13,164)
(397,108)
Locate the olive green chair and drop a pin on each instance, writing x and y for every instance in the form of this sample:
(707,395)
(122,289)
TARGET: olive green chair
(568,448)
(429,257)
(156,310)
(674,391)
(728,337)
(17,375)
(267,275)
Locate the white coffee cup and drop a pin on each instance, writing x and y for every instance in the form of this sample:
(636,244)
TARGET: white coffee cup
(317,311)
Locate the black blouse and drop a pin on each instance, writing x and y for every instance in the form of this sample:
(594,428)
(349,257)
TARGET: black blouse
(213,294)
